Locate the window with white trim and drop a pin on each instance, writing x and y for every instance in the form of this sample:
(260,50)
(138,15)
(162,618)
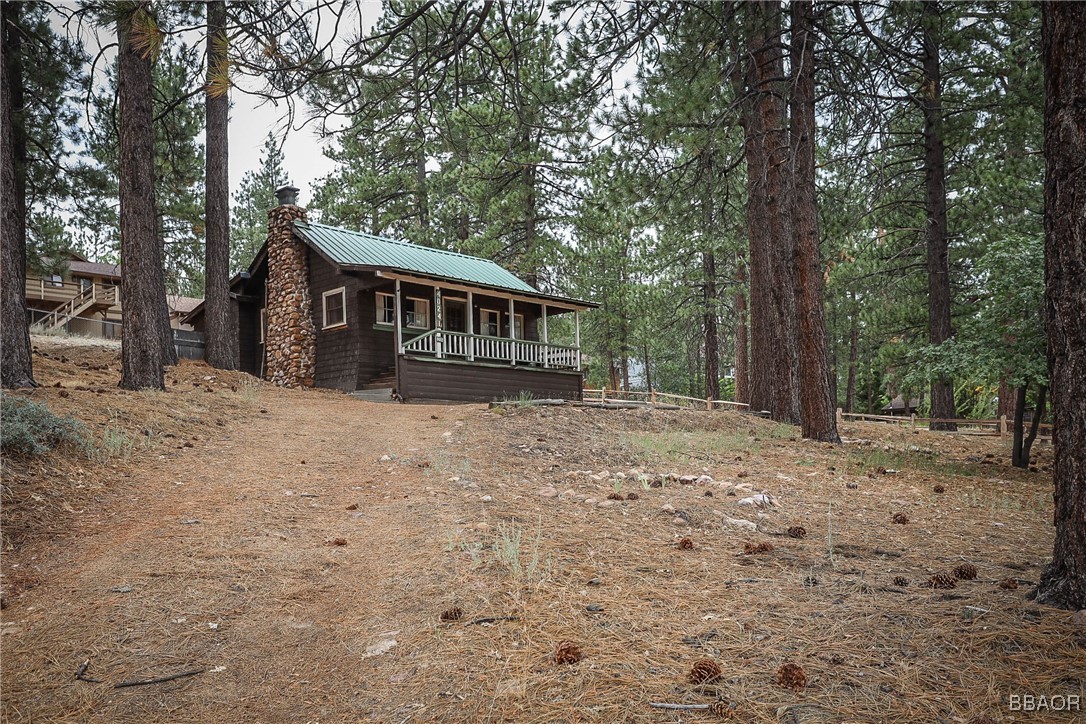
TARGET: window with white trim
(386,308)
(418,313)
(518,326)
(56,280)
(335,308)
(489,322)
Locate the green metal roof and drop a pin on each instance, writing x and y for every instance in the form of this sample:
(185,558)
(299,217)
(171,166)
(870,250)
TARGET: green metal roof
(353,248)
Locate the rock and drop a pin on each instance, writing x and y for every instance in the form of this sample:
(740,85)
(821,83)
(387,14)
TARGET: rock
(667,508)
(687,479)
(483,527)
(590,501)
(567,494)
(605,504)
(705,480)
(679,520)
(761,500)
(384,458)
(594,608)
(620,476)
(380,647)
(121,589)
(740,523)
(1079,618)
(547,491)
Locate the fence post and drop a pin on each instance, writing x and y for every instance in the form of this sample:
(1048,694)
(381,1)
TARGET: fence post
(912,420)
(840,416)
(652,396)
(1002,425)
(709,404)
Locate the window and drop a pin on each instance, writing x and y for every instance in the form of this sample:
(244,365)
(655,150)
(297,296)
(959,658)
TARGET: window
(84,283)
(455,313)
(335,308)
(489,322)
(518,326)
(418,313)
(386,308)
(56,280)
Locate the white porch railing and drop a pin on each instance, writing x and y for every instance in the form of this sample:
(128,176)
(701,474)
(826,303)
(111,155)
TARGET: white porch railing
(460,345)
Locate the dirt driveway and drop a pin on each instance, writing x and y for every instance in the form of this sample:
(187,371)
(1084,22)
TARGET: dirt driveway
(279,558)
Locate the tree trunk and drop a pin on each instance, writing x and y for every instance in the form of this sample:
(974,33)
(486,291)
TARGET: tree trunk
(1006,399)
(853,355)
(1035,425)
(742,367)
(774,369)
(16,365)
(144,291)
(818,417)
(222,347)
(939,331)
(1064,51)
(648,369)
(712,337)
(1019,425)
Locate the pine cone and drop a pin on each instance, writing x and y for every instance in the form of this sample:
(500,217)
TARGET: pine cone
(900,518)
(453,614)
(797,531)
(1008,584)
(965,572)
(723,709)
(901,581)
(567,653)
(791,676)
(685,544)
(753,548)
(939,489)
(632,496)
(615,496)
(943,580)
(705,671)
(656,484)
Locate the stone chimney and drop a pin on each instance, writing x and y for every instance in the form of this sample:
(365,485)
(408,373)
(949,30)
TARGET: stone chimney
(290,343)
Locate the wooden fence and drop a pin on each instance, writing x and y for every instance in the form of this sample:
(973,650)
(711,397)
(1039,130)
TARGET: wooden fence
(1000,427)
(654,398)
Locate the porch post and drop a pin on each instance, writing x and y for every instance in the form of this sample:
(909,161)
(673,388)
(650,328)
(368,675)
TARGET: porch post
(439,322)
(471,329)
(399,321)
(546,345)
(512,335)
(577,335)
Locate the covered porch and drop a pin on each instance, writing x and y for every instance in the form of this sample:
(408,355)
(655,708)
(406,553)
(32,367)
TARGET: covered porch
(463,343)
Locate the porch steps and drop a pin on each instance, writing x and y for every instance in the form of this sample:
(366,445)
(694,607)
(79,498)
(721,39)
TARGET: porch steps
(380,394)
(383,381)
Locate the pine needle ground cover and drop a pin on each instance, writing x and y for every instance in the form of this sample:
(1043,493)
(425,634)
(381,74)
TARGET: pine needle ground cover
(316,557)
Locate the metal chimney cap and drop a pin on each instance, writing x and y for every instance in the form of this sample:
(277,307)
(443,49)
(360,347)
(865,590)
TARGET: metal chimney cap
(287,195)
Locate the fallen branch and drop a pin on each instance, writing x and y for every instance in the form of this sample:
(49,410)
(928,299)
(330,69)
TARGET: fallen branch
(159,680)
(82,670)
(493,619)
(680,707)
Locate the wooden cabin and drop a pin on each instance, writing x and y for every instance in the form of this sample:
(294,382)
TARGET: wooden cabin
(333,308)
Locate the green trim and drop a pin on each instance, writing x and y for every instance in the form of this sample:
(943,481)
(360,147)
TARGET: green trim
(466,363)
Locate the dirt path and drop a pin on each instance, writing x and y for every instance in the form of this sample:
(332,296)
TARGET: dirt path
(223,557)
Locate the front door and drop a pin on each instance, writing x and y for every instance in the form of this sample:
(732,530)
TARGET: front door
(456,311)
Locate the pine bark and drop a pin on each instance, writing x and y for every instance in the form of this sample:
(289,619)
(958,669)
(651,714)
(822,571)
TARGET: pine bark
(774,369)
(144,291)
(222,348)
(938,253)
(1063,43)
(16,364)
(818,419)
(712,336)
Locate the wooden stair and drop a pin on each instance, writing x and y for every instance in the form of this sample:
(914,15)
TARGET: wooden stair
(72,308)
(385,380)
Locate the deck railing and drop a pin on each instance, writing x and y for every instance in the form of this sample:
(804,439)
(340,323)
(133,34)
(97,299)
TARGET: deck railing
(476,347)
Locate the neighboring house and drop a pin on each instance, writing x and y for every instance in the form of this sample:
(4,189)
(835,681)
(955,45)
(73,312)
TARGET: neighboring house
(326,307)
(899,406)
(86,299)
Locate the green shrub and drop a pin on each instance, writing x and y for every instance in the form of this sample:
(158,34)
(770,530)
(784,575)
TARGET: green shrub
(28,428)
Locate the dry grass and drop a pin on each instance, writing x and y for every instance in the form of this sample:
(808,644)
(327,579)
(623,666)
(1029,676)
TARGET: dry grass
(299,624)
